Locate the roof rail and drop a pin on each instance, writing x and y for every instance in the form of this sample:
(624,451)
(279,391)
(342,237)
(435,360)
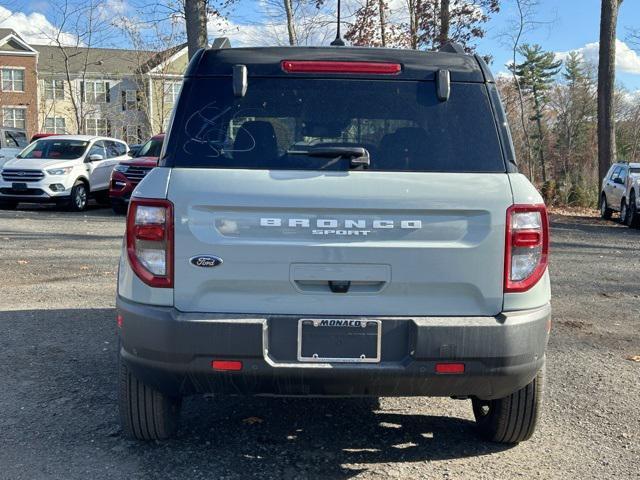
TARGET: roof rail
(221,42)
(452,47)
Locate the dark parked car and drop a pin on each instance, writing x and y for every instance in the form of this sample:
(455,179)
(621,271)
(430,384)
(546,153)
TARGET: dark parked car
(126,175)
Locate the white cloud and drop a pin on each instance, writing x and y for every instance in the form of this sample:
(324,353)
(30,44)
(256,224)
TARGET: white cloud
(627,60)
(33,27)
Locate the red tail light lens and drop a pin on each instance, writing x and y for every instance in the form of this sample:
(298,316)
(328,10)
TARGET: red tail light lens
(309,66)
(526,247)
(150,241)
(226,365)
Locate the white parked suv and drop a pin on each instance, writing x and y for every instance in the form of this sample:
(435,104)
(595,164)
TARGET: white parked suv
(62,169)
(621,193)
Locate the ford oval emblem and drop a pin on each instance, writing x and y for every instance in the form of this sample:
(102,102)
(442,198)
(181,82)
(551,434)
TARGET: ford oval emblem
(205,261)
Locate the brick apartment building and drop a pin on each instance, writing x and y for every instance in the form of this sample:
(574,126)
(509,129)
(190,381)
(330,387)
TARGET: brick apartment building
(18,82)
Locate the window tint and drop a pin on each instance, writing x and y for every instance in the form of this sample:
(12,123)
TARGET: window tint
(401,123)
(14,139)
(115,149)
(98,149)
(623,174)
(62,149)
(150,149)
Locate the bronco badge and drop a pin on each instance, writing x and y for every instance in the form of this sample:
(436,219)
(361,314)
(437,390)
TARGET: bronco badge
(205,261)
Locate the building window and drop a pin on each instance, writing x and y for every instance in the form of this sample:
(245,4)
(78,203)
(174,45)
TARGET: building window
(132,134)
(96,91)
(14,117)
(129,100)
(53,89)
(55,125)
(171,91)
(98,127)
(13,80)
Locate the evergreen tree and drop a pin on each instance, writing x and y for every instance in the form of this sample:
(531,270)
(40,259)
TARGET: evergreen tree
(535,75)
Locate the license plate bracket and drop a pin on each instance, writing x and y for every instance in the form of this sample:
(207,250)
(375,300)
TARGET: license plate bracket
(19,187)
(329,340)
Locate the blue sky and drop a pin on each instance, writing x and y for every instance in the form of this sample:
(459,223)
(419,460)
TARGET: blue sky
(573,25)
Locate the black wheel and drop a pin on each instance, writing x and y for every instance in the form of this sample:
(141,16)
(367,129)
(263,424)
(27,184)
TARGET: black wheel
(119,207)
(79,196)
(605,211)
(145,414)
(633,217)
(511,419)
(8,205)
(624,212)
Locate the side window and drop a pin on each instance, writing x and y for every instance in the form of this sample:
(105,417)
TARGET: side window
(112,149)
(121,148)
(615,174)
(98,149)
(623,174)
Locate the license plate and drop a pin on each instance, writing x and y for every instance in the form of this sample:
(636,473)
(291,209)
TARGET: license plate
(20,187)
(339,340)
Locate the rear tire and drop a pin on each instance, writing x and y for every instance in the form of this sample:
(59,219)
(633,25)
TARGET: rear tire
(633,218)
(605,211)
(624,212)
(511,419)
(145,414)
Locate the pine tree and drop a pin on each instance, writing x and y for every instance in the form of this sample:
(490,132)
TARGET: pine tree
(535,75)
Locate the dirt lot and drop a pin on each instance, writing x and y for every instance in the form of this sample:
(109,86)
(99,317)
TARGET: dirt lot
(58,414)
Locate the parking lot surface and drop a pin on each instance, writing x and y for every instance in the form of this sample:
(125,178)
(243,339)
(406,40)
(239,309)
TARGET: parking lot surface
(58,411)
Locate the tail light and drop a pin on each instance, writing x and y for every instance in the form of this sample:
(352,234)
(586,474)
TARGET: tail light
(150,241)
(526,248)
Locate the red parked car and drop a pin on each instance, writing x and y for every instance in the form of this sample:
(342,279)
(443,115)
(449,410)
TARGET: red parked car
(126,175)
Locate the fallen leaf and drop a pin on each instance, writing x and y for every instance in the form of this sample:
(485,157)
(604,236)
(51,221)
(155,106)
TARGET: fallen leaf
(23,262)
(84,267)
(634,358)
(252,420)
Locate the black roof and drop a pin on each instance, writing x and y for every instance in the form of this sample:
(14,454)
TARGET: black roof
(266,62)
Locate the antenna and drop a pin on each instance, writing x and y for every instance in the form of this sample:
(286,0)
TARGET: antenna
(338,42)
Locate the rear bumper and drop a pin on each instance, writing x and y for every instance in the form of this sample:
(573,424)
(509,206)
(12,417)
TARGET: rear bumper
(172,352)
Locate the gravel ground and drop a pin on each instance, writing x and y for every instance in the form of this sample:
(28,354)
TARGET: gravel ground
(58,414)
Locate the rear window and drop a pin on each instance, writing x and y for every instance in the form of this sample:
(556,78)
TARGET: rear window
(14,139)
(150,149)
(402,125)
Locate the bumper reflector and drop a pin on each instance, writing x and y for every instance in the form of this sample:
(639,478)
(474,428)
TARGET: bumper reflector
(226,365)
(449,367)
(119,320)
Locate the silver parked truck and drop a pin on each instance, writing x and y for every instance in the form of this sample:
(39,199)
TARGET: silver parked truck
(335,222)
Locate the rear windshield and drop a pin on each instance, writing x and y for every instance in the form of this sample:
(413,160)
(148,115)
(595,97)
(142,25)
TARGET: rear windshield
(55,149)
(150,149)
(401,124)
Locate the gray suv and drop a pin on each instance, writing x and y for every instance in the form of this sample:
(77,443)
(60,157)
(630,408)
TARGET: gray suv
(335,222)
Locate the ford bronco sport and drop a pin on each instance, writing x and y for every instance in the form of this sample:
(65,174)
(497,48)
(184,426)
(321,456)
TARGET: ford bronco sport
(339,222)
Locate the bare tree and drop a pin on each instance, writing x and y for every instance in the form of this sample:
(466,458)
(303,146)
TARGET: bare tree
(88,26)
(606,85)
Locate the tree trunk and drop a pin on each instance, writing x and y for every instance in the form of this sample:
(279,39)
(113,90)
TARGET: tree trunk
(445,18)
(606,84)
(291,29)
(383,21)
(195,15)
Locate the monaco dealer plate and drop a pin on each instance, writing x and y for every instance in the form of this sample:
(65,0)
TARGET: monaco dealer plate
(334,340)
